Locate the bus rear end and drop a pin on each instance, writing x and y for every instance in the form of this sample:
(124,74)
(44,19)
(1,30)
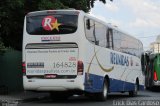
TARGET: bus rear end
(51,52)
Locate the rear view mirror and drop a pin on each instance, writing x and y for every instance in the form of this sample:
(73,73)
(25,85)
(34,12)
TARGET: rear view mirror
(88,23)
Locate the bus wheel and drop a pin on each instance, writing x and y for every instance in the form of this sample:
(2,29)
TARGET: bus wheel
(102,96)
(135,91)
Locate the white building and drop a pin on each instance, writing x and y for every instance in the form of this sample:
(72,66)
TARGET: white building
(155,46)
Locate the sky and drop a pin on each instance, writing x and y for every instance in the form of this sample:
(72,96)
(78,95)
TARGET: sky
(139,18)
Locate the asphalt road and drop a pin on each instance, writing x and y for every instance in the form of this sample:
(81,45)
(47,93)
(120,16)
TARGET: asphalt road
(144,98)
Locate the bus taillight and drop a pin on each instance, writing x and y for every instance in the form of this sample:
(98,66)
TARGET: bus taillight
(155,76)
(24,67)
(80,68)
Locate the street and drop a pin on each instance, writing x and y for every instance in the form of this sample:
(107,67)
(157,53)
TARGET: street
(115,99)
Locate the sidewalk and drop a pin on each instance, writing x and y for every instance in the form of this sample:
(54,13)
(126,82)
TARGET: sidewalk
(23,96)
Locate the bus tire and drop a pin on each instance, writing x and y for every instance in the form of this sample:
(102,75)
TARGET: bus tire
(102,96)
(135,91)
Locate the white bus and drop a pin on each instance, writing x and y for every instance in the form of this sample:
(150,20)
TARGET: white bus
(68,52)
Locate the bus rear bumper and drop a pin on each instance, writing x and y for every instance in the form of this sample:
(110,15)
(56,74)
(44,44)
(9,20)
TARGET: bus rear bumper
(53,84)
(156,83)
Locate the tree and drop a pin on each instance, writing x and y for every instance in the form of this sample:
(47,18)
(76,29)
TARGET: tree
(12,14)
(2,48)
(85,5)
(34,5)
(11,26)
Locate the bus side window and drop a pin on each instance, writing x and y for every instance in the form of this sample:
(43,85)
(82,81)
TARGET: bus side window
(88,24)
(89,30)
(144,63)
(100,34)
(110,39)
(117,40)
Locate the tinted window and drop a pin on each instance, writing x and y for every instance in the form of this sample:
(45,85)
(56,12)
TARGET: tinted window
(100,33)
(90,32)
(51,24)
(127,44)
(96,32)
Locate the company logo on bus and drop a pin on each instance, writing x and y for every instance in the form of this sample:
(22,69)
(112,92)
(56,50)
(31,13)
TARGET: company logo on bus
(119,59)
(50,23)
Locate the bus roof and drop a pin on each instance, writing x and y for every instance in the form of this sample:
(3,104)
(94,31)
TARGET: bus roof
(72,12)
(62,11)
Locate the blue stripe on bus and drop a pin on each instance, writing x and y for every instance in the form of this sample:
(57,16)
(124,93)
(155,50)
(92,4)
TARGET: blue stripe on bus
(95,84)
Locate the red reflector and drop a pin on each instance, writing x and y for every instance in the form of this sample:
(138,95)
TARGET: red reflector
(80,68)
(155,76)
(49,76)
(24,67)
(23,70)
(23,64)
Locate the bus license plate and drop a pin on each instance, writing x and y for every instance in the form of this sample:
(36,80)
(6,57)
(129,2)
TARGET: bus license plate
(50,76)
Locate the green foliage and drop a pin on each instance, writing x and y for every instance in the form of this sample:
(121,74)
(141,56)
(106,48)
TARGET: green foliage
(12,14)
(2,47)
(11,18)
(90,3)
(34,5)
(77,4)
(48,4)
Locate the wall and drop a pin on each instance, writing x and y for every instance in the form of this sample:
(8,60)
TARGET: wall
(10,71)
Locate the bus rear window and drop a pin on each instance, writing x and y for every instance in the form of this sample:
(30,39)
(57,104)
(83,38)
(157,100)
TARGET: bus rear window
(51,24)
